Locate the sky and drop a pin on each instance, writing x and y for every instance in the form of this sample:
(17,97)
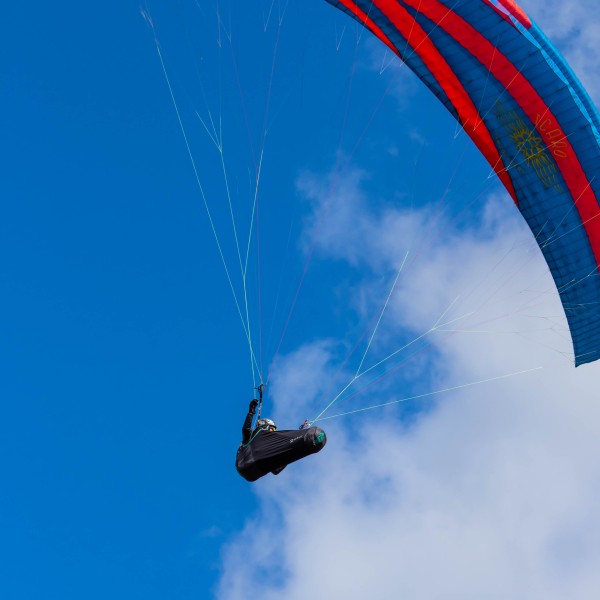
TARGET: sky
(384,265)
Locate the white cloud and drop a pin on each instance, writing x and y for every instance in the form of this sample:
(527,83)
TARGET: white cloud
(300,378)
(490,494)
(344,229)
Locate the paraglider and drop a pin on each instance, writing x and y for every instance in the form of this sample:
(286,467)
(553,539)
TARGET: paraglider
(265,450)
(524,108)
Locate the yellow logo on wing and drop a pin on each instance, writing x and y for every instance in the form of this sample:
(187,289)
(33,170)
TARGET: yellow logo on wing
(530,145)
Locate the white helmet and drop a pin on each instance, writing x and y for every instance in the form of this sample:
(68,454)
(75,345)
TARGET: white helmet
(266,424)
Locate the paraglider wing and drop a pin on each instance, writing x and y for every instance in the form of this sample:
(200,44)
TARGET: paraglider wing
(524,108)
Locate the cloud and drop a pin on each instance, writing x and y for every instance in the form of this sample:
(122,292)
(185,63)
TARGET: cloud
(492,493)
(341,227)
(299,379)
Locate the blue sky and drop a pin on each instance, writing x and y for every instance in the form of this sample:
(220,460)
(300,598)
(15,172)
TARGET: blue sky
(125,373)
